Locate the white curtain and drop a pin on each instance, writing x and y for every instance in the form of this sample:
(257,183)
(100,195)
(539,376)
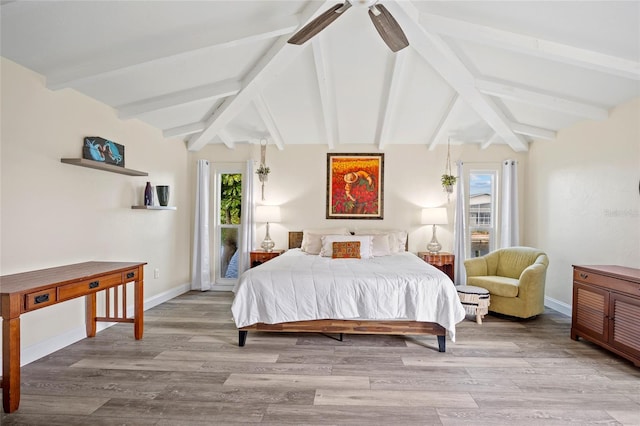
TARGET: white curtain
(201,269)
(248,226)
(459,226)
(509,227)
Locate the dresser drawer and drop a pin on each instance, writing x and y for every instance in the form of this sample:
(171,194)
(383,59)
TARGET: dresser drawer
(606,281)
(263,257)
(89,286)
(259,257)
(40,299)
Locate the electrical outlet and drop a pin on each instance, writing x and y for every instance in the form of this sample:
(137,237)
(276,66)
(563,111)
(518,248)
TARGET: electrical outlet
(156,273)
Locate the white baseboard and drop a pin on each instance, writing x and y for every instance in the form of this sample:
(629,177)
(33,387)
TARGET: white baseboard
(48,346)
(222,287)
(556,305)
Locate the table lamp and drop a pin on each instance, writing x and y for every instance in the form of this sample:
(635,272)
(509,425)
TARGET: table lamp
(434,216)
(267,214)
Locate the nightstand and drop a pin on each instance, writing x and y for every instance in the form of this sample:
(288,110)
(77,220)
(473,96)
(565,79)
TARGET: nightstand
(258,257)
(443,261)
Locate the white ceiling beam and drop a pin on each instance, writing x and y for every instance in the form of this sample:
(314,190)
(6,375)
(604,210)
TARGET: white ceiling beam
(212,91)
(530,45)
(491,141)
(440,56)
(271,63)
(521,94)
(269,122)
(226,139)
(187,129)
(167,49)
(445,123)
(392,96)
(536,132)
(326,88)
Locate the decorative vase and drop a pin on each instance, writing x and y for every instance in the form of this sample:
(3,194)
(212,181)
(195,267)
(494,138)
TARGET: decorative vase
(148,195)
(163,195)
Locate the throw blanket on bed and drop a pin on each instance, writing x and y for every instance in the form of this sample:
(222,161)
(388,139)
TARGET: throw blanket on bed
(297,286)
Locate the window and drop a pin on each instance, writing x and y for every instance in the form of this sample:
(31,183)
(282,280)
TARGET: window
(481,207)
(227,222)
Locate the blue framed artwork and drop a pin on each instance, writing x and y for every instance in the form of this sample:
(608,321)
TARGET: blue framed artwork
(103,150)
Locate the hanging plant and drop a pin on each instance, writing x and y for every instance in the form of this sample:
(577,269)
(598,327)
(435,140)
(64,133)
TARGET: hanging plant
(263,173)
(447,179)
(263,169)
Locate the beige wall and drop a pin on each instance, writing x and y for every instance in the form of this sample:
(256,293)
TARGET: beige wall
(55,214)
(582,200)
(297,182)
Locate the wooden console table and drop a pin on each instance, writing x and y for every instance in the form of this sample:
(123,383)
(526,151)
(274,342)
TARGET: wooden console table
(28,291)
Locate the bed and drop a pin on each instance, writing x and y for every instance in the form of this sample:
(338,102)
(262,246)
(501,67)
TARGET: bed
(396,294)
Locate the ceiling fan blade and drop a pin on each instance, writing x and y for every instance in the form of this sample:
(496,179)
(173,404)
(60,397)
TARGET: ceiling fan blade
(388,27)
(319,24)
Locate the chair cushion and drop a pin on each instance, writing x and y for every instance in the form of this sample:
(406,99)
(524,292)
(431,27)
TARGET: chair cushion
(514,260)
(500,286)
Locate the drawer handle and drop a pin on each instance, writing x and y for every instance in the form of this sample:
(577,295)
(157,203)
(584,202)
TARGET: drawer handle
(584,276)
(41,299)
(94,284)
(131,274)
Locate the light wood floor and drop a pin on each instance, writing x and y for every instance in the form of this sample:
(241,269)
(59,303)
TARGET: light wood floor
(189,370)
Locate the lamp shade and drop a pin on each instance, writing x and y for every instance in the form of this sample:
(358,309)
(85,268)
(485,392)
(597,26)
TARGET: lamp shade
(435,216)
(268,214)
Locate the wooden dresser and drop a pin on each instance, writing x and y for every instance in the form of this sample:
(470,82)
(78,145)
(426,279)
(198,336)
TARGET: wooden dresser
(606,308)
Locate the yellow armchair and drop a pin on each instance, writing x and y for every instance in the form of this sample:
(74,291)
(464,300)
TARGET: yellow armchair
(515,278)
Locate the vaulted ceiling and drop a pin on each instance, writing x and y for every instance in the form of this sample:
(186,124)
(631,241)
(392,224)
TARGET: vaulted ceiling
(222,72)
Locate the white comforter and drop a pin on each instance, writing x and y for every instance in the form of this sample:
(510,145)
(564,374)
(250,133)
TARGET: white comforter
(296,286)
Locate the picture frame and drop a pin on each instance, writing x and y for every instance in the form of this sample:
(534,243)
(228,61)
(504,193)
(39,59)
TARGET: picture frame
(355,186)
(103,150)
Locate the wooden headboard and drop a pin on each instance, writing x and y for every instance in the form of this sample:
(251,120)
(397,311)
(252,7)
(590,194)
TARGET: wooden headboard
(295,240)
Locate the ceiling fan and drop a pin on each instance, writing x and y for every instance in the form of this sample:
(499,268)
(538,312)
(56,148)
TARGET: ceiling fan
(382,19)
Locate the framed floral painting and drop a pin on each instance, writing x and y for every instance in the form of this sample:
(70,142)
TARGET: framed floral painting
(355,186)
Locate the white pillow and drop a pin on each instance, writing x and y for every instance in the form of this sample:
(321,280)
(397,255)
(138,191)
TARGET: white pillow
(401,238)
(311,242)
(397,239)
(366,247)
(380,245)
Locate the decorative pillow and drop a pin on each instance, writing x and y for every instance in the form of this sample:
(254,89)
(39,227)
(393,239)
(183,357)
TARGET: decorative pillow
(311,242)
(397,239)
(364,240)
(346,250)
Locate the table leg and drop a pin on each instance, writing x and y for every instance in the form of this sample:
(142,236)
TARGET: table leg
(10,364)
(138,309)
(90,312)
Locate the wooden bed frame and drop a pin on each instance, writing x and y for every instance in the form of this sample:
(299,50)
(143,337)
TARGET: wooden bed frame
(336,326)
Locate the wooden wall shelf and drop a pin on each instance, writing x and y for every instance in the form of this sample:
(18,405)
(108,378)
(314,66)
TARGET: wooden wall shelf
(154,207)
(83,162)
